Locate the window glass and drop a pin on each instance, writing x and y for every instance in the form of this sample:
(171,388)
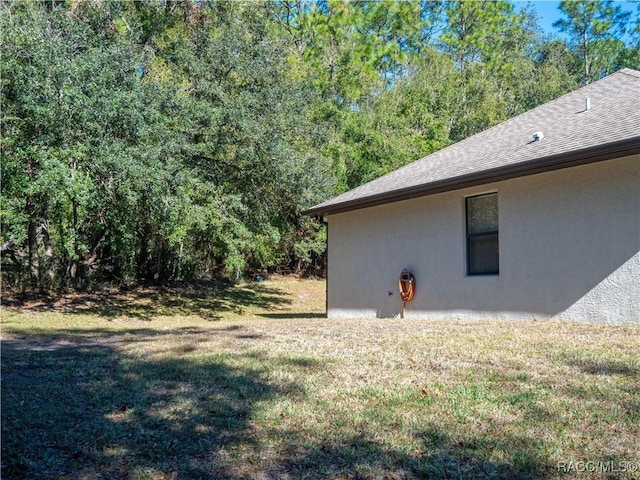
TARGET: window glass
(482,235)
(484,254)
(482,213)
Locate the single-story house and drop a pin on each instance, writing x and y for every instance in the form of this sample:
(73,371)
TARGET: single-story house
(535,218)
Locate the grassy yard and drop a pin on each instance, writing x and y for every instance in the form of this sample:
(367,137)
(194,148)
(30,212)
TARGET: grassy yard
(251,382)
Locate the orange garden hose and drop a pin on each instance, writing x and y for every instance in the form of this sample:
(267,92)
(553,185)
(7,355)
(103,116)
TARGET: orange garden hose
(407,285)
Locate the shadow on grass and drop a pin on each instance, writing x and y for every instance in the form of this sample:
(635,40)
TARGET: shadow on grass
(441,456)
(291,315)
(603,367)
(93,338)
(76,406)
(209,300)
(79,409)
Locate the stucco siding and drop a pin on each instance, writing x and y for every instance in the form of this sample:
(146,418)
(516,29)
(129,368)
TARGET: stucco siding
(569,245)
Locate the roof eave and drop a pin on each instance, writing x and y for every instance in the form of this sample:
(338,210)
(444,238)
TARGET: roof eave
(608,151)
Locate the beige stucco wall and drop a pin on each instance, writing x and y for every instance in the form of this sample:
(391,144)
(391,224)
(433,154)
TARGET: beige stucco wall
(569,250)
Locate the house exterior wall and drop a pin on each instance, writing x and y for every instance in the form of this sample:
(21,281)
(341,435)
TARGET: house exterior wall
(569,244)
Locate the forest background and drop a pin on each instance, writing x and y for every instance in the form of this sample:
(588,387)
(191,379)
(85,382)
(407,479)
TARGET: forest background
(162,141)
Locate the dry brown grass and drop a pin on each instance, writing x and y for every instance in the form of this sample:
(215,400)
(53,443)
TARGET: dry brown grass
(267,389)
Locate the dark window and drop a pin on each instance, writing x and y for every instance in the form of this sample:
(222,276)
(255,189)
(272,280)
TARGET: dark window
(482,235)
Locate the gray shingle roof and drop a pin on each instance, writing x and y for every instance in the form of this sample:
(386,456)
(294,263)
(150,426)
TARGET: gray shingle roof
(572,136)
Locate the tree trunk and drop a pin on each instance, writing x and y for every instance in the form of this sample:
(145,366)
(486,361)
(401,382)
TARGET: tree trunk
(43,231)
(74,268)
(32,246)
(33,249)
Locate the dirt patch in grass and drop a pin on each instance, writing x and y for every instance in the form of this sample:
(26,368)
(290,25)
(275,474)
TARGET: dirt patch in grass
(277,393)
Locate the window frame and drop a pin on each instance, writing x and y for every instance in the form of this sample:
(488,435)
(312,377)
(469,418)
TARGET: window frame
(484,233)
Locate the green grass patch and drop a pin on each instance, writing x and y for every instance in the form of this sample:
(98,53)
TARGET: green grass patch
(172,385)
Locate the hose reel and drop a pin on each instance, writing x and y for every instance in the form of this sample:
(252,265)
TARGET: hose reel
(407,286)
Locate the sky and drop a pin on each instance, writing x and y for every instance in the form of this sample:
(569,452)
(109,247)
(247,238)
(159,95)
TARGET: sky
(548,12)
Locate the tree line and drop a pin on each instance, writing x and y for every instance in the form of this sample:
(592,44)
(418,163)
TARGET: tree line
(179,140)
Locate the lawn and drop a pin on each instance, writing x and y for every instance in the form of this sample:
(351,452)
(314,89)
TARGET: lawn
(251,382)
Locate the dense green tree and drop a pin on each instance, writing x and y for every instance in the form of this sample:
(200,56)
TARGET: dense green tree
(470,78)
(159,141)
(630,57)
(133,151)
(595,30)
